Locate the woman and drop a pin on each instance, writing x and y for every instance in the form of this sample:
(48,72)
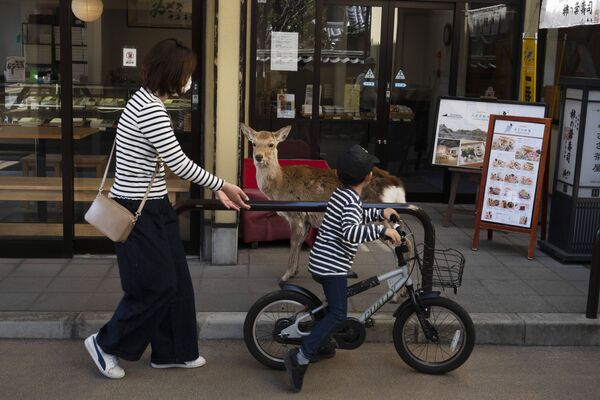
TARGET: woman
(158,303)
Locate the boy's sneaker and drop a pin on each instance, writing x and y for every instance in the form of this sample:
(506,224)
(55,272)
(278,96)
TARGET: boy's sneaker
(295,371)
(325,351)
(106,363)
(198,362)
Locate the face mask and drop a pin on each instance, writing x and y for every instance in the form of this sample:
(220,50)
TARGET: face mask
(187,86)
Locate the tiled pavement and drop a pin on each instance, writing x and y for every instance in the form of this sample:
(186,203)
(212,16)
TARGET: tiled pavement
(498,278)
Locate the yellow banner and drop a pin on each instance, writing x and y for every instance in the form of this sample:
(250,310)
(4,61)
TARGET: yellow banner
(528,70)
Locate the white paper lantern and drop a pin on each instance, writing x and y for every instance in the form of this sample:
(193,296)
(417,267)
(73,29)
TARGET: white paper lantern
(87,10)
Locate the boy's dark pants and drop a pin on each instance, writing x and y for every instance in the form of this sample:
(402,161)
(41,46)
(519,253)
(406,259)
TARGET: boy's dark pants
(335,291)
(158,302)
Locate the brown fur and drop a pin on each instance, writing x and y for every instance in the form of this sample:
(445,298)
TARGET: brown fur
(293,183)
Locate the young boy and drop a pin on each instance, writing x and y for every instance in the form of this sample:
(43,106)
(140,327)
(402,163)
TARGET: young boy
(344,227)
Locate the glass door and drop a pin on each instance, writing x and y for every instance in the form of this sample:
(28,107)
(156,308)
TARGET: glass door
(103,83)
(352,62)
(420,50)
(382,67)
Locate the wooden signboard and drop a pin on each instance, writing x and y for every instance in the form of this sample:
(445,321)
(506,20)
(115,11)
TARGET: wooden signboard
(512,180)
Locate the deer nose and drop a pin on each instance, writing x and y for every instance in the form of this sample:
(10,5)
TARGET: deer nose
(258,157)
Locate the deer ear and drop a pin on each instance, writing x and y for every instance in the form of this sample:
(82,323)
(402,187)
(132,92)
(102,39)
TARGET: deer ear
(283,133)
(248,132)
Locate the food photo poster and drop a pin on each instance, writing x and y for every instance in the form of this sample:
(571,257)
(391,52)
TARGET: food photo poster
(512,173)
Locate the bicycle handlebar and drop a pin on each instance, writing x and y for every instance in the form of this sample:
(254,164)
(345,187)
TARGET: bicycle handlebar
(320,206)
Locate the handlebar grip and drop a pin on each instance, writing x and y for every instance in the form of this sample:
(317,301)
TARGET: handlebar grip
(394,218)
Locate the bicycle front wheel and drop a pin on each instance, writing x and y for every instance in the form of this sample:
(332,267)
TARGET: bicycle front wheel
(454,336)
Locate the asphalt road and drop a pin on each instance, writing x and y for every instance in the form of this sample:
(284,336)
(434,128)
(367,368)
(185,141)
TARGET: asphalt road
(63,370)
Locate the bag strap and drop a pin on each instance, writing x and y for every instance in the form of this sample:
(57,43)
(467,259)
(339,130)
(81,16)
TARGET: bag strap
(101,188)
(156,170)
(159,164)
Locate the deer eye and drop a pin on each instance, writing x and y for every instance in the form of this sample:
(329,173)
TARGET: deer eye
(271,145)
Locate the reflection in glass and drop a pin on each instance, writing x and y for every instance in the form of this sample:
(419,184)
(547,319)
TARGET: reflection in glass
(492,40)
(350,72)
(420,73)
(101,88)
(285,71)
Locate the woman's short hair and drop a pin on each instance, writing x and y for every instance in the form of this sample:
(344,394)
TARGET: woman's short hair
(167,67)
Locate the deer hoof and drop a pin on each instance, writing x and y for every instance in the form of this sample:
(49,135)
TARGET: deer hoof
(286,276)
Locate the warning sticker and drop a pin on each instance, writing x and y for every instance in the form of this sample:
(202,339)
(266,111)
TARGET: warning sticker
(370,74)
(400,76)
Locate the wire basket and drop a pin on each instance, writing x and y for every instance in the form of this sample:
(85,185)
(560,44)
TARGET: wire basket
(448,266)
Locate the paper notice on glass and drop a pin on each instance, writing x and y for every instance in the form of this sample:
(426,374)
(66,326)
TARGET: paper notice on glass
(15,69)
(286,107)
(284,51)
(129,57)
(351,98)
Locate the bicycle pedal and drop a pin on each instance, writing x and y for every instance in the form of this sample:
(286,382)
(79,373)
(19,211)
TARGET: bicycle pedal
(370,323)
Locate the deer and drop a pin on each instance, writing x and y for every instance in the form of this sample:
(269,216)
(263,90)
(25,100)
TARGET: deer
(299,182)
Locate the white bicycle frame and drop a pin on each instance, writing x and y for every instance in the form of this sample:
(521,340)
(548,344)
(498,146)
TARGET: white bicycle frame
(396,280)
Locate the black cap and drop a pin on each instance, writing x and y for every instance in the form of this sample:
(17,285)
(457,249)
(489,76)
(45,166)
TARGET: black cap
(354,165)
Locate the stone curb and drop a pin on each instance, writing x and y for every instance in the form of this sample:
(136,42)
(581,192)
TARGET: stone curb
(521,329)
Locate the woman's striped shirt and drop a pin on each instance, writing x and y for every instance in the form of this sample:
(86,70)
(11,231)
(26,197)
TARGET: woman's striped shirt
(144,132)
(345,226)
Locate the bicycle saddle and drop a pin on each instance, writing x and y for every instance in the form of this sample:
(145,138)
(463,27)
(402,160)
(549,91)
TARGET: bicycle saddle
(352,275)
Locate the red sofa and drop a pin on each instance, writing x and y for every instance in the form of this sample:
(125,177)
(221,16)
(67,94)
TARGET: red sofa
(261,226)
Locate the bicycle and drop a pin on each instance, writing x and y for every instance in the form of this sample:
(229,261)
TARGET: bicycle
(282,318)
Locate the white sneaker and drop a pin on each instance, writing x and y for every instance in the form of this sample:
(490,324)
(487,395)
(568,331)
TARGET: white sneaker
(198,362)
(106,363)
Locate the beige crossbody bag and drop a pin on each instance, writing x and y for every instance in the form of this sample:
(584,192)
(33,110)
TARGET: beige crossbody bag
(109,217)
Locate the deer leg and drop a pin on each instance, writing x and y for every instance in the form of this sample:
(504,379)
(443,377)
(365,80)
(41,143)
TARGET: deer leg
(301,233)
(297,227)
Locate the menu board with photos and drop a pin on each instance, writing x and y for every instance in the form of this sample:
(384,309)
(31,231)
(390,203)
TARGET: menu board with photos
(513,175)
(512,172)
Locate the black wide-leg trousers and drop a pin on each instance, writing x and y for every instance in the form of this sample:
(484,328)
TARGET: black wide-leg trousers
(158,302)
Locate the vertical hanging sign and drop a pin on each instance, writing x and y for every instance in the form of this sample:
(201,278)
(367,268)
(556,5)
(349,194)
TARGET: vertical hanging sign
(528,69)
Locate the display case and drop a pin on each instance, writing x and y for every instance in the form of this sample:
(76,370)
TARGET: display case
(94,106)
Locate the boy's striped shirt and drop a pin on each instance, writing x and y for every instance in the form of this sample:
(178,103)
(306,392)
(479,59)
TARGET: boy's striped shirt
(344,227)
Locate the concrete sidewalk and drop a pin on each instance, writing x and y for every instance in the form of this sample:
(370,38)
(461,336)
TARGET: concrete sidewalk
(513,300)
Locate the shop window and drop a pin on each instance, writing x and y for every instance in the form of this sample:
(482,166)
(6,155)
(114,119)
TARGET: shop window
(30,124)
(107,55)
(492,57)
(284,70)
(581,56)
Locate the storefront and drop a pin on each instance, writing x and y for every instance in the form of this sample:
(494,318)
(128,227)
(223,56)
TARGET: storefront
(377,68)
(70,68)
(572,87)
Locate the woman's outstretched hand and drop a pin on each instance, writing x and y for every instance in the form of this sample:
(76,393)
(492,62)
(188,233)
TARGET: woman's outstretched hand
(232,197)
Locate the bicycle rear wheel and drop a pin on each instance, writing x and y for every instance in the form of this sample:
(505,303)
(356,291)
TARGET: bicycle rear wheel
(455,336)
(265,320)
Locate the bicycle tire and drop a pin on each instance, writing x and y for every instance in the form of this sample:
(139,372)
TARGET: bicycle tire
(409,357)
(257,308)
